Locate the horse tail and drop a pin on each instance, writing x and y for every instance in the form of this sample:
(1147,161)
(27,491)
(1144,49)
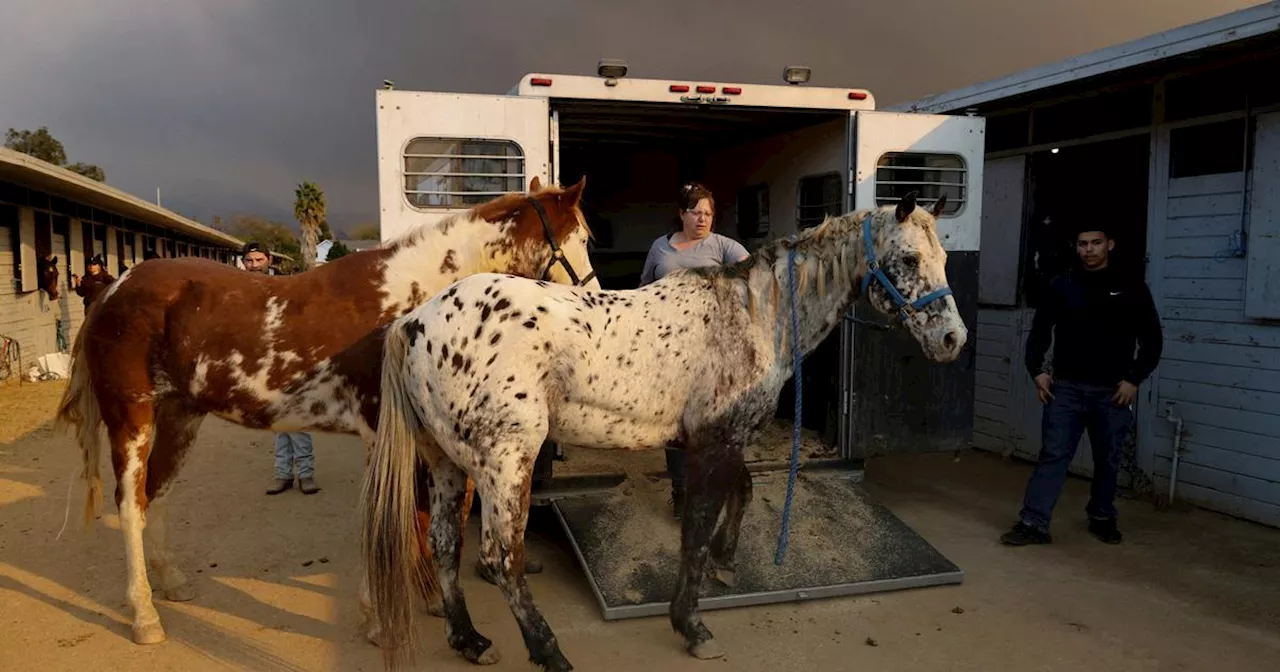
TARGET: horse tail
(79,407)
(389,517)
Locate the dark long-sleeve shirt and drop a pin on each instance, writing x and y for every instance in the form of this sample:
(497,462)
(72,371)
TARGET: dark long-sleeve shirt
(92,285)
(1095,319)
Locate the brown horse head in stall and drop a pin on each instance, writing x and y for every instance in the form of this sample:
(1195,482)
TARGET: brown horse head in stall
(47,275)
(174,340)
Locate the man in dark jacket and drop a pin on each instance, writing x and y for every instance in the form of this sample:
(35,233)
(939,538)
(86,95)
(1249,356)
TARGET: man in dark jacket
(92,284)
(1095,315)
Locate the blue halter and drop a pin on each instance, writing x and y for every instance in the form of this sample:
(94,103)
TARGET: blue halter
(905,308)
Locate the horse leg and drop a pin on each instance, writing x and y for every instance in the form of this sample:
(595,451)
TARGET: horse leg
(176,425)
(129,429)
(429,583)
(505,514)
(448,491)
(724,545)
(713,472)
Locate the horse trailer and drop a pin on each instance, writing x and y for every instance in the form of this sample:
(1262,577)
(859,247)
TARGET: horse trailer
(778,158)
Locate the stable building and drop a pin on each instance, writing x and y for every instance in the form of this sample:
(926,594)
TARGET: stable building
(50,212)
(1173,139)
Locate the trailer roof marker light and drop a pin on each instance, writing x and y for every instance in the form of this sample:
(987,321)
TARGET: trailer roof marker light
(796,74)
(611,68)
(703,88)
(540,81)
(678,88)
(857,95)
(731,90)
(1054,150)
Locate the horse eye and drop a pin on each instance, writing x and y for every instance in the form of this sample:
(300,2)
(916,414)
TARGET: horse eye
(911,260)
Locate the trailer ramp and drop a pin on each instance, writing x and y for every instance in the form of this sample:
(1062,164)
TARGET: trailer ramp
(841,543)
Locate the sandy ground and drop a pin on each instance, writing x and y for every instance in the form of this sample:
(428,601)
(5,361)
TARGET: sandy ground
(1189,590)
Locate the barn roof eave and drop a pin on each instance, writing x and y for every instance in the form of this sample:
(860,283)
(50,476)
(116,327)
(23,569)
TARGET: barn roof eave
(32,172)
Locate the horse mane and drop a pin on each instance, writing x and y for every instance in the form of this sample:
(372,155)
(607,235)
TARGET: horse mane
(500,208)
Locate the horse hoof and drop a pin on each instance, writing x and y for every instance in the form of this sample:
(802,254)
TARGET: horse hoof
(487,657)
(725,575)
(706,650)
(148,633)
(180,593)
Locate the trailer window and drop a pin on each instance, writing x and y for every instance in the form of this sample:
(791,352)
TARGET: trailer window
(932,175)
(818,197)
(460,173)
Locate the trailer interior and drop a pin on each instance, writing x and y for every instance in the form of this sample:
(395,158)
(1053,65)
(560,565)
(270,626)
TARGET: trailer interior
(768,168)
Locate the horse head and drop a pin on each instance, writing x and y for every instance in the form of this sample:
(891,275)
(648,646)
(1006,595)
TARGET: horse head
(552,216)
(907,275)
(47,272)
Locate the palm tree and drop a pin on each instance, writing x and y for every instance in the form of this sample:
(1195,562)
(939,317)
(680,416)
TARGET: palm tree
(309,209)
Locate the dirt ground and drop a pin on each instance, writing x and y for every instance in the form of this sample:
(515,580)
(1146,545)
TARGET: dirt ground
(1188,590)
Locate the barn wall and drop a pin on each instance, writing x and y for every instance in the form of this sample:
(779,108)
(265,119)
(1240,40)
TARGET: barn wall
(1220,369)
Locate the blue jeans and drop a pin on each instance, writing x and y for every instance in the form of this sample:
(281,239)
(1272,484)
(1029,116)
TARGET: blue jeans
(1075,408)
(294,448)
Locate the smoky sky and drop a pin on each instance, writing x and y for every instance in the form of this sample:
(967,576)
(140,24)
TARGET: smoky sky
(226,106)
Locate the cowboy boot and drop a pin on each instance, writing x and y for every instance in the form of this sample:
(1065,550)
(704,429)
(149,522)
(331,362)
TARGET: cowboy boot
(280,486)
(308,486)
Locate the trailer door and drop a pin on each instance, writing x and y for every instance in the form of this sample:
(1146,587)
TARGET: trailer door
(893,399)
(442,153)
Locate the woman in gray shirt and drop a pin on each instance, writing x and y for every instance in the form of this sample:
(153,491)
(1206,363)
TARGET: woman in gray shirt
(694,245)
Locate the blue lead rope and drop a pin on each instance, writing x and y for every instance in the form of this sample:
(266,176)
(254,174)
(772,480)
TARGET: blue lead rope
(784,536)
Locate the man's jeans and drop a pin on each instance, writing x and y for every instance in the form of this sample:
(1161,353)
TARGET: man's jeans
(1074,408)
(294,448)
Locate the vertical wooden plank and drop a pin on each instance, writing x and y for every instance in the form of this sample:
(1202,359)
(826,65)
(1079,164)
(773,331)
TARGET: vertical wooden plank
(76,262)
(137,248)
(1262,278)
(27,249)
(1147,412)
(1003,187)
(112,256)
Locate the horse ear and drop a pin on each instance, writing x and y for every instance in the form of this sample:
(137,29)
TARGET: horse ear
(906,206)
(938,205)
(535,184)
(573,194)
(54,261)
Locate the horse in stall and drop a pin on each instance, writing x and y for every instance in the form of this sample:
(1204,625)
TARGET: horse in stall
(173,340)
(47,275)
(696,360)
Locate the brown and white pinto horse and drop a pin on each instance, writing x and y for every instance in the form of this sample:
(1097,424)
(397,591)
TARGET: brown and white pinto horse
(173,340)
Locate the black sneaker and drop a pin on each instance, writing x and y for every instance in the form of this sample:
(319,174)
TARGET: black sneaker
(1105,531)
(1023,535)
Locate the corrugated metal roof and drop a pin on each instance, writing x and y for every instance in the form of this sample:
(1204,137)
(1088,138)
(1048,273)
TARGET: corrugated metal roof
(1234,27)
(34,173)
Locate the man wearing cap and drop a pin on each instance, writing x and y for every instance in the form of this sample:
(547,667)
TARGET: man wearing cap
(92,284)
(292,448)
(1095,316)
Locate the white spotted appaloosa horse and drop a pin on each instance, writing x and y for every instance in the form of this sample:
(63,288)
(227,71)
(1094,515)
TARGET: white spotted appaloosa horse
(173,340)
(696,359)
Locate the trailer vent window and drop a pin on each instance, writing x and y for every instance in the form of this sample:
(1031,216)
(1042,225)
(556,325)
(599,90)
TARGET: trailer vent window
(819,197)
(460,173)
(932,175)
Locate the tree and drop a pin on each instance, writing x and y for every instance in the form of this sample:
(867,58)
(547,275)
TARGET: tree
(337,250)
(42,145)
(309,210)
(366,231)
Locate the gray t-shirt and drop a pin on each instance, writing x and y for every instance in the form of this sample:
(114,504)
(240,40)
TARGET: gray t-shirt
(714,250)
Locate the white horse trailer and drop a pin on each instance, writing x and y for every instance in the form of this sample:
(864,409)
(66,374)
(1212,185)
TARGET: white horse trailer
(778,158)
